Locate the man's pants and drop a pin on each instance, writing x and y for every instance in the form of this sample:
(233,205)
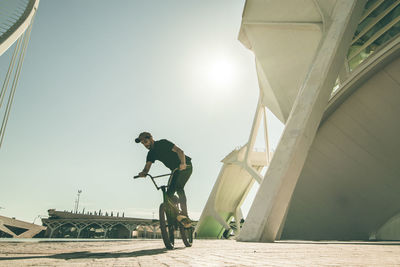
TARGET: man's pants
(177,184)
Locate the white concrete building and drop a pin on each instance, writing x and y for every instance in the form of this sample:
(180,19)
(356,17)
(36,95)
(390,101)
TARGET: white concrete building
(330,71)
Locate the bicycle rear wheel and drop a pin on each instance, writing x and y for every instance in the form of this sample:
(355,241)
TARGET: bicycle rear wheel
(186,235)
(167,231)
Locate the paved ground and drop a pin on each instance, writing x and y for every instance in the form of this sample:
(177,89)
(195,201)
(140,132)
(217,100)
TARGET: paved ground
(203,253)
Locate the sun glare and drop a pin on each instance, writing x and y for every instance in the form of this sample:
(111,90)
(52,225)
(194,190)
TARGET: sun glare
(214,75)
(220,73)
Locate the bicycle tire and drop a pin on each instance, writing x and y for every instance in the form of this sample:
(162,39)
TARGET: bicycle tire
(167,231)
(186,235)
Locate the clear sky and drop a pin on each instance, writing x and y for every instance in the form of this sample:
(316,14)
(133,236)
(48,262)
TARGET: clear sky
(96,74)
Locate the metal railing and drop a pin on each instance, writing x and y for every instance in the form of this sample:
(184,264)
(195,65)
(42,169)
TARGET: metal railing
(379,24)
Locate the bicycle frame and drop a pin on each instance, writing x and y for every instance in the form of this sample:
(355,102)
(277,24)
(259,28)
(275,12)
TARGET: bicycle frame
(170,209)
(173,209)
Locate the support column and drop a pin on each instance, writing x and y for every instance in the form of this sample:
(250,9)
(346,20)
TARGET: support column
(131,228)
(272,200)
(51,232)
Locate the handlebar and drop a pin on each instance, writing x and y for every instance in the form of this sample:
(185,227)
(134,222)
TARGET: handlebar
(152,178)
(162,175)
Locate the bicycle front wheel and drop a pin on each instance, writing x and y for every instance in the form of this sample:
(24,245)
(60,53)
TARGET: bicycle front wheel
(167,230)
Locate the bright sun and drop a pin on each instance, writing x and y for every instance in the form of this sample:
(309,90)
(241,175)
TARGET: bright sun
(214,75)
(220,73)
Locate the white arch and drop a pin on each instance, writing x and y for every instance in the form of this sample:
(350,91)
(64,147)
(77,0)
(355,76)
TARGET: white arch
(8,38)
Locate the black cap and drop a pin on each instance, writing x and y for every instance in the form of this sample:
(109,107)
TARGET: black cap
(142,136)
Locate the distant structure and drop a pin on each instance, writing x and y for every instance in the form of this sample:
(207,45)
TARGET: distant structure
(330,71)
(63,224)
(13,228)
(77,201)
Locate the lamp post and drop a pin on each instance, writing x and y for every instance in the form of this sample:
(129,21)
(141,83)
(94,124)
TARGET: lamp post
(77,201)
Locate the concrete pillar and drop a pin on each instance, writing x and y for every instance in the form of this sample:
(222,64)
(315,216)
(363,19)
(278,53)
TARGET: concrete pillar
(273,197)
(154,231)
(130,234)
(51,232)
(105,232)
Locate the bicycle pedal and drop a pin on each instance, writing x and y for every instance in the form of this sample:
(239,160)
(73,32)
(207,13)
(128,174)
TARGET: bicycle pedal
(184,220)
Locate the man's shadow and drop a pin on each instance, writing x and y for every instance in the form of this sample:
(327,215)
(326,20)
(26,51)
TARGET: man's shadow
(99,255)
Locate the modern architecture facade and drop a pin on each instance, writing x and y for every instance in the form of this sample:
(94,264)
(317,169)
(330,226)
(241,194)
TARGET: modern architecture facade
(329,70)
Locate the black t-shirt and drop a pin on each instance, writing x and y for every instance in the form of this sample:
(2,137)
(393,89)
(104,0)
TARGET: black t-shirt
(162,151)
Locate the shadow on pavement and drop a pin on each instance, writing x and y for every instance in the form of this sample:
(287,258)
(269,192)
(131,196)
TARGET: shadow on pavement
(99,255)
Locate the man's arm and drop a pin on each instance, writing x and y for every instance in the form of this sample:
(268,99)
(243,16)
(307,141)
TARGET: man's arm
(146,169)
(181,156)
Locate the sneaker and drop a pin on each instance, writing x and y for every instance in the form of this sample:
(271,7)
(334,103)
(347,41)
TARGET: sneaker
(184,220)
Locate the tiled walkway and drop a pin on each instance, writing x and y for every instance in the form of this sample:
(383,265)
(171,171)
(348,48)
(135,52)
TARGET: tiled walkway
(203,253)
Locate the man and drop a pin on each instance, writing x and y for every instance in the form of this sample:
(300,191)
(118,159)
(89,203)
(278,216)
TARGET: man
(173,158)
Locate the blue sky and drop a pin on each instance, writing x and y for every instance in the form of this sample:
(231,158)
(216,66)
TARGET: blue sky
(96,74)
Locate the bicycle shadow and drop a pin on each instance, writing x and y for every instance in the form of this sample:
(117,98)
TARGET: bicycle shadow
(98,255)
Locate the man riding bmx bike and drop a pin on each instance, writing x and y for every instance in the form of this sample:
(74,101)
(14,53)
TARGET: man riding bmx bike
(173,158)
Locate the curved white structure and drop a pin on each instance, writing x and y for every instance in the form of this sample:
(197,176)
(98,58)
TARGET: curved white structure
(349,185)
(15,25)
(19,27)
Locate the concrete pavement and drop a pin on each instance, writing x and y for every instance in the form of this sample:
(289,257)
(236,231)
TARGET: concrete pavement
(203,253)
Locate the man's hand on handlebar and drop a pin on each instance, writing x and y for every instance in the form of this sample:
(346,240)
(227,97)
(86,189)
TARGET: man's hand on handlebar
(142,174)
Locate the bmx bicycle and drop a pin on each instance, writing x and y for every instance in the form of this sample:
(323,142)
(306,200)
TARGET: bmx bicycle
(168,212)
